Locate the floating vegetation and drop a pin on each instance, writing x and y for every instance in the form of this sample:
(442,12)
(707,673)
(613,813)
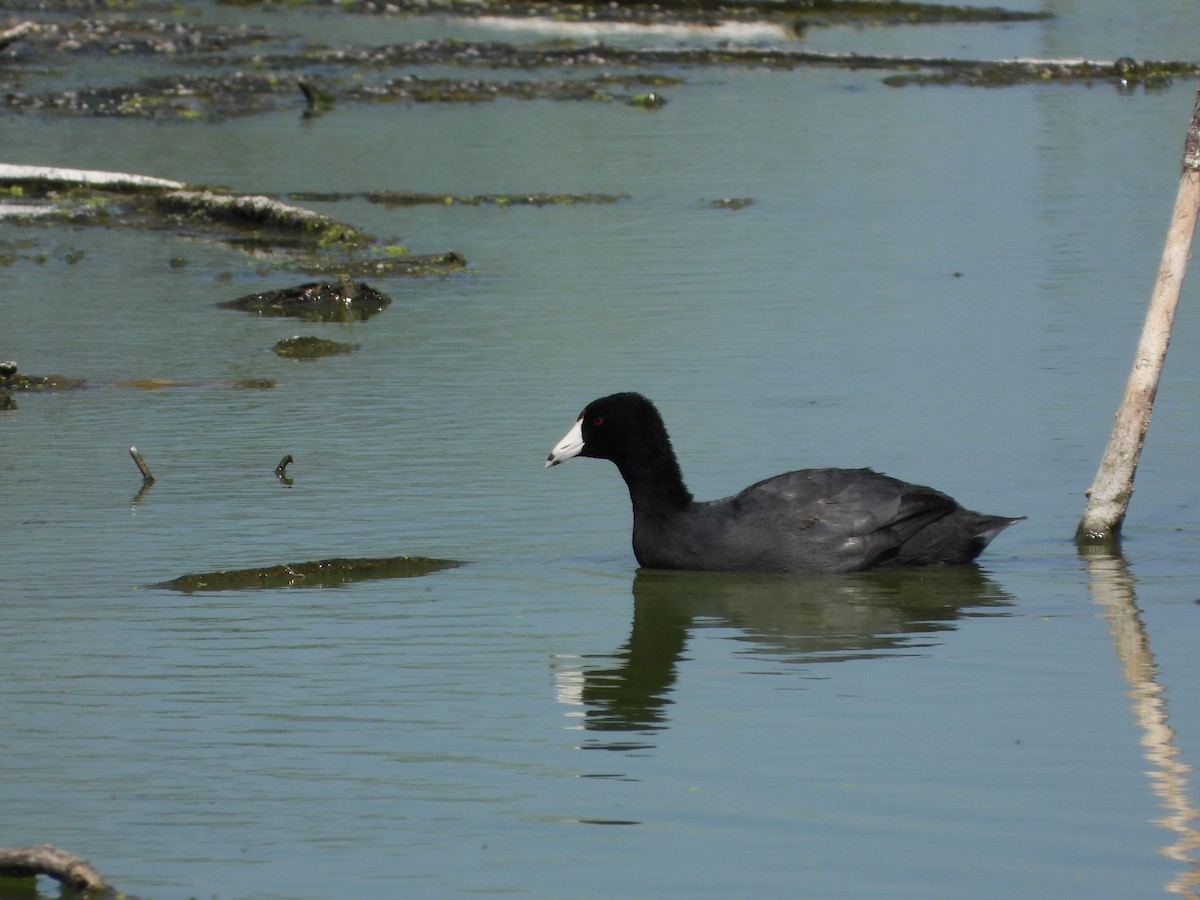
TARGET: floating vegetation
(159,384)
(308,347)
(179,98)
(128,36)
(376,262)
(893,12)
(238,71)
(329,301)
(285,236)
(121,200)
(209,98)
(702,12)
(320,573)
(413,89)
(1123,73)
(734,203)
(31,250)
(647,101)
(415,198)
(34,383)
(12,381)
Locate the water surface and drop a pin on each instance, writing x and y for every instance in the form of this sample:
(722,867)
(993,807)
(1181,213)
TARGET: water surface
(945,284)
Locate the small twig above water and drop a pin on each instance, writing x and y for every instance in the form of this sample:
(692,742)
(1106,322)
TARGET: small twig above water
(141,464)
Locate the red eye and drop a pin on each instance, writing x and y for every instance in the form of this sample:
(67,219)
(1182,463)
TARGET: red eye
(599,420)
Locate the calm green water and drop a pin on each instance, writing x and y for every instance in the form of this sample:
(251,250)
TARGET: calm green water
(945,284)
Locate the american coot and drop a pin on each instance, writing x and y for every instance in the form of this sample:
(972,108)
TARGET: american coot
(811,520)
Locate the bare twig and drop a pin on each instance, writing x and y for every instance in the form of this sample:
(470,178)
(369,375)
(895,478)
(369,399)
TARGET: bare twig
(141,464)
(281,469)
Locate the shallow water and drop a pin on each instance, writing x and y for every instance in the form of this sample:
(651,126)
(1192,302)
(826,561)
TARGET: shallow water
(945,284)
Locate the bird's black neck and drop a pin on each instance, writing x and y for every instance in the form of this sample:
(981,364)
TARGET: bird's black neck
(655,482)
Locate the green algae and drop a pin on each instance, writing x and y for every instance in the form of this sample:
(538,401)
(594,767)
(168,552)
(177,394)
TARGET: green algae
(1124,73)
(11,381)
(309,347)
(34,251)
(319,573)
(650,100)
(35,383)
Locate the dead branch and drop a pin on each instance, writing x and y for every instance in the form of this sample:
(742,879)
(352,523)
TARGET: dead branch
(141,464)
(178,198)
(1109,495)
(45,859)
(10,35)
(51,176)
(255,210)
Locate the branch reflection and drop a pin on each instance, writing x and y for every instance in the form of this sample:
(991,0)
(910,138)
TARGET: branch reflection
(1112,587)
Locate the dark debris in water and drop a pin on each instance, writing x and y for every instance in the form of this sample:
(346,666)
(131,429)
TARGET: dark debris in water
(1124,73)
(181,98)
(328,301)
(129,36)
(379,262)
(19,382)
(35,251)
(221,97)
(12,381)
(320,573)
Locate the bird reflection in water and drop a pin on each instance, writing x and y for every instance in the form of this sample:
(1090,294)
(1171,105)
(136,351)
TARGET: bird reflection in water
(802,620)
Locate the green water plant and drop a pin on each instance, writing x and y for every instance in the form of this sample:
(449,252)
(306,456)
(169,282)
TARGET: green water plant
(318,573)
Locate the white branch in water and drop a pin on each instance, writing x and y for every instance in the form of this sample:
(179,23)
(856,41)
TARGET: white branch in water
(49,175)
(46,859)
(16,33)
(177,197)
(255,209)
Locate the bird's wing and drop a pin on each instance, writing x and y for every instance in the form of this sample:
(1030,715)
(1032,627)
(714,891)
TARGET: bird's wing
(848,512)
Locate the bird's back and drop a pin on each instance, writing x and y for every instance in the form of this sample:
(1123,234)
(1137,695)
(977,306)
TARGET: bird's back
(817,520)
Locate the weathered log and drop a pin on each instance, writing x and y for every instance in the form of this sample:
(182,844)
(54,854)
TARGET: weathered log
(1109,495)
(45,859)
(141,464)
(51,176)
(178,198)
(9,35)
(257,210)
